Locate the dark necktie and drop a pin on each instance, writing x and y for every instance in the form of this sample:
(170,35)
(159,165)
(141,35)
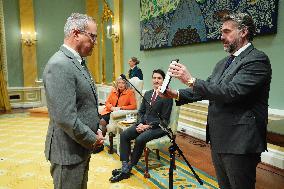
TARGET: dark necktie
(229,61)
(83,63)
(153,97)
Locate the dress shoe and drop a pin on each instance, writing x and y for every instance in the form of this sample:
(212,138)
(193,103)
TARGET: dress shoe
(120,176)
(115,172)
(98,149)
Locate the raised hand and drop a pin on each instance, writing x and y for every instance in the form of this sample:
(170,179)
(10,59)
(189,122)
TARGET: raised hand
(180,72)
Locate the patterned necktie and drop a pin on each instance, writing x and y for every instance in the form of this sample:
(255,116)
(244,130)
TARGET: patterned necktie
(229,61)
(153,97)
(83,63)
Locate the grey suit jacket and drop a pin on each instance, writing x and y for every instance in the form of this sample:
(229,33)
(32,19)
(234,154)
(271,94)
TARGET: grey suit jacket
(238,103)
(72,107)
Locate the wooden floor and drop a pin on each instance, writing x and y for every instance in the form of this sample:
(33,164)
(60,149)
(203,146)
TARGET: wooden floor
(197,153)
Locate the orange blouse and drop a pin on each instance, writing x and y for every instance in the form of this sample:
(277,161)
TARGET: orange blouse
(126,101)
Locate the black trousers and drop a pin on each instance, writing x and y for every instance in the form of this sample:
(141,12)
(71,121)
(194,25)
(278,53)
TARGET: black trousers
(140,142)
(235,171)
(106,117)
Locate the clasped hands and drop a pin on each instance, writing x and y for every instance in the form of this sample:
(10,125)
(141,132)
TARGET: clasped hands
(141,128)
(100,139)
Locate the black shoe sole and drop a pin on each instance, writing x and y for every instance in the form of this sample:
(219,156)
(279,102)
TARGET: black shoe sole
(115,172)
(121,176)
(99,149)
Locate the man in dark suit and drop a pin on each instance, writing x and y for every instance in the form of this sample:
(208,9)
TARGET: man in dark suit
(238,92)
(145,129)
(72,105)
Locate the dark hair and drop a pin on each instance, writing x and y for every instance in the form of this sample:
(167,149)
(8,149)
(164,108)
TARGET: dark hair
(159,71)
(134,59)
(244,21)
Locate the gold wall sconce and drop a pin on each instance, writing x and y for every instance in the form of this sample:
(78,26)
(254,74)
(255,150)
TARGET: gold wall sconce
(111,34)
(29,38)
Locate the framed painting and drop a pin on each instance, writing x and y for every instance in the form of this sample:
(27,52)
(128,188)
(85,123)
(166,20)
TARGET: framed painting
(170,23)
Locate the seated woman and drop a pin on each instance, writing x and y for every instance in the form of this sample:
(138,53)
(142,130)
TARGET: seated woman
(120,98)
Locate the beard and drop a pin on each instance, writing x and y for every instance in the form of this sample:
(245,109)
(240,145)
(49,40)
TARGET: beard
(233,46)
(230,48)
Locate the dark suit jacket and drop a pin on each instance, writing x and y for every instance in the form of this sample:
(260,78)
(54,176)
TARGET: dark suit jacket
(161,106)
(73,109)
(135,72)
(238,103)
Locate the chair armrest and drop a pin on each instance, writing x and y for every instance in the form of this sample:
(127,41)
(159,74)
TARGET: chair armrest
(122,113)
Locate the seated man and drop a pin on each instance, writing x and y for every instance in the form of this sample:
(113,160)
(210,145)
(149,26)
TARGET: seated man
(146,129)
(122,97)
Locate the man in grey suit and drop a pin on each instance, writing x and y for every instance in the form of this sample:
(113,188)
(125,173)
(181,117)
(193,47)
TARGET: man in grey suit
(145,129)
(72,105)
(238,92)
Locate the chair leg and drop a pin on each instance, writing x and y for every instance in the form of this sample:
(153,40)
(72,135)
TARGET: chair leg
(158,154)
(110,143)
(174,159)
(146,154)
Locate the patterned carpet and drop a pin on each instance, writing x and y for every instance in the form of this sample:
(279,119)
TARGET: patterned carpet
(23,165)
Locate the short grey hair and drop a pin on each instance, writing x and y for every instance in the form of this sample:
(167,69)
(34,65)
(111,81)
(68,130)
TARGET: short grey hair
(77,21)
(243,20)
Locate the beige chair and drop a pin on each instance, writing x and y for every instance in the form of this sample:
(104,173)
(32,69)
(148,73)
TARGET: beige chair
(119,115)
(163,142)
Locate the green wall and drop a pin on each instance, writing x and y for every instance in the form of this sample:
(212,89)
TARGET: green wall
(108,45)
(199,58)
(50,17)
(13,43)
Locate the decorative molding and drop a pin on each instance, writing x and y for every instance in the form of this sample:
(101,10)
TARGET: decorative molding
(103,92)
(196,132)
(28,52)
(118,46)
(3,43)
(275,112)
(273,157)
(26,97)
(107,14)
(271,111)
(92,8)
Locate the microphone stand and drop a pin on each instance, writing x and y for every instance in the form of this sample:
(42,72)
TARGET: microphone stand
(173,148)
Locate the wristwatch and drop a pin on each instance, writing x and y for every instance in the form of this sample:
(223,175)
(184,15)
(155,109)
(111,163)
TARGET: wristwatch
(191,82)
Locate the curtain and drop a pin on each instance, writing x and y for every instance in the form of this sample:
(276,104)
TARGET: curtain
(4,98)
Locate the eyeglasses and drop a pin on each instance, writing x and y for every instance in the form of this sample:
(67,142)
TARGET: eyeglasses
(92,36)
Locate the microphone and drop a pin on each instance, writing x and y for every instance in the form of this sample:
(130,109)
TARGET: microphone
(123,76)
(162,124)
